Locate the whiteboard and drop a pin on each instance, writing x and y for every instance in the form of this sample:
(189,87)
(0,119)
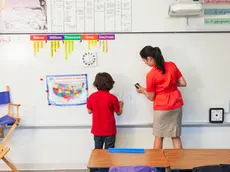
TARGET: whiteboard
(203,60)
(71,16)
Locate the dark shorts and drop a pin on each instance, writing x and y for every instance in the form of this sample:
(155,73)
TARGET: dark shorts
(106,141)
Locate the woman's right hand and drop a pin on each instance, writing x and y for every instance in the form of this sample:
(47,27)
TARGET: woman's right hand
(140,89)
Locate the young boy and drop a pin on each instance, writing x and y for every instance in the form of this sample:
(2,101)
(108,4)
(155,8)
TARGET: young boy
(102,105)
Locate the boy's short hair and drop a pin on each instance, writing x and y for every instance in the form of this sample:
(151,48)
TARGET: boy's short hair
(103,81)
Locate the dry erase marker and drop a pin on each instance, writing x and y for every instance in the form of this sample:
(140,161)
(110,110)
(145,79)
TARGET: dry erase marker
(137,85)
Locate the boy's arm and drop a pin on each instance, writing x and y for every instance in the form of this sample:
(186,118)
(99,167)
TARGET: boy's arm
(89,111)
(89,106)
(117,106)
(121,108)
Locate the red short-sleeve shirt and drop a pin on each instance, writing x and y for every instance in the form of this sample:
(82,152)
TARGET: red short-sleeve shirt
(167,95)
(103,105)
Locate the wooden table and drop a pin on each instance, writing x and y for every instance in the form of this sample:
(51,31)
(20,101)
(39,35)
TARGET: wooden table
(103,159)
(190,158)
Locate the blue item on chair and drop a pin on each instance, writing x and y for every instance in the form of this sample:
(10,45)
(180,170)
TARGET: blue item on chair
(4,97)
(126,150)
(7,120)
(133,169)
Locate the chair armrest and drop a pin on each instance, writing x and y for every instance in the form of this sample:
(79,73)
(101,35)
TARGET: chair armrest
(17,111)
(12,104)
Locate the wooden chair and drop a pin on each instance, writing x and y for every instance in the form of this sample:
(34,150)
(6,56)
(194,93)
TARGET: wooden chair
(11,120)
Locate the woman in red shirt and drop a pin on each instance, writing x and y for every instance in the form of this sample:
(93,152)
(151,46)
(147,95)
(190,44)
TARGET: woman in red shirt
(162,84)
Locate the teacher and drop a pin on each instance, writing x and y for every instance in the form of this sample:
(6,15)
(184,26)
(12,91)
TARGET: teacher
(162,84)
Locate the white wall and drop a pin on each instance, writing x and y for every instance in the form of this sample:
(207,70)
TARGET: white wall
(70,148)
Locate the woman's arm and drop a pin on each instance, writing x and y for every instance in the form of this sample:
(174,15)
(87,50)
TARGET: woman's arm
(149,95)
(149,91)
(181,82)
(180,79)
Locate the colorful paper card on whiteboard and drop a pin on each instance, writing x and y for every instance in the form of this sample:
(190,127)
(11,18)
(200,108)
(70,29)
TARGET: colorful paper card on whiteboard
(217,21)
(216,1)
(55,41)
(67,90)
(215,11)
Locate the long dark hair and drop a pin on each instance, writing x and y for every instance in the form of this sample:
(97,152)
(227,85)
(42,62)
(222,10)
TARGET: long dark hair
(155,53)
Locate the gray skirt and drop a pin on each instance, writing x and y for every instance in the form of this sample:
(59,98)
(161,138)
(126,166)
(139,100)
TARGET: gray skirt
(167,123)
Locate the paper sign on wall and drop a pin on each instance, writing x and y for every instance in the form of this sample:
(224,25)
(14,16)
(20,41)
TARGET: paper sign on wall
(67,90)
(55,42)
